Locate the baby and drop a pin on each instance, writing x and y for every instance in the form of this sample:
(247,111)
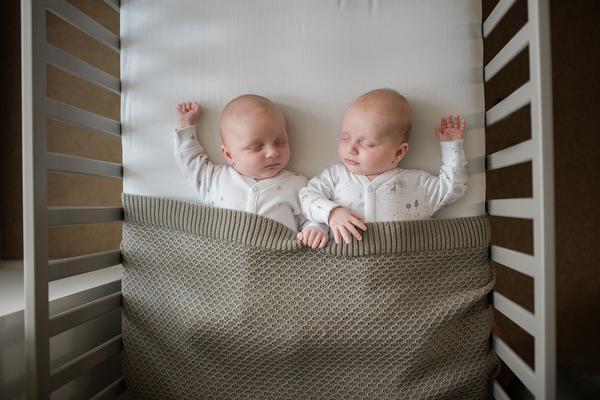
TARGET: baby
(368,186)
(255,145)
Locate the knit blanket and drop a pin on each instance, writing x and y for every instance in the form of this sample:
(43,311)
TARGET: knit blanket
(222,304)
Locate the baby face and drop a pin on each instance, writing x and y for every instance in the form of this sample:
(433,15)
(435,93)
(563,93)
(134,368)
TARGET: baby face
(367,147)
(256,145)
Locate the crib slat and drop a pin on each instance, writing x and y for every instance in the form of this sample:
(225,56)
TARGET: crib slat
(83,313)
(514,208)
(114,4)
(515,363)
(510,156)
(508,52)
(520,262)
(516,313)
(496,16)
(69,371)
(499,393)
(81,21)
(111,391)
(74,115)
(83,215)
(76,66)
(82,165)
(516,100)
(65,267)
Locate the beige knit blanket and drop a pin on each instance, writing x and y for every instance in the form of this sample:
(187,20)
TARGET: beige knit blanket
(222,304)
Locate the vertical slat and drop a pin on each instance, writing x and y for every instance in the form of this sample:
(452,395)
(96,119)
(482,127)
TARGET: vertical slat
(516,154)
(520,262)
(513,208)
(516,313)
(543,193)
(516,100)
(35,235)
(517,365)
(499,393)
(112,391)
(114,4)
(496,16)
(508,52)
(81,21)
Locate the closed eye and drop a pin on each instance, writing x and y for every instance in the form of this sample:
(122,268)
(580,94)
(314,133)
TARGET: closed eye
(280,142)
(254,147)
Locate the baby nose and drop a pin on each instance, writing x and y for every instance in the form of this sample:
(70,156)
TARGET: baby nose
(352,149)
(271,152)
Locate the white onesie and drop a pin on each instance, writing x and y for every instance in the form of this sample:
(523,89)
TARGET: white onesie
(222,186)
(398,194)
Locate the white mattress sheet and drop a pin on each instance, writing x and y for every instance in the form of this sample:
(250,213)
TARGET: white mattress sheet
(312,57)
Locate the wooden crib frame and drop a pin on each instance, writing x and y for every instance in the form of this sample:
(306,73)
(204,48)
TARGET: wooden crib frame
(40,326)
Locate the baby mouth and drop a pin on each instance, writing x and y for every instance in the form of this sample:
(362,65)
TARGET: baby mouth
(351,162)
(273,165)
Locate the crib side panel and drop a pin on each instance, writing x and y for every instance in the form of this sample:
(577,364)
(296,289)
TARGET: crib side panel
(520,194)
(71,107)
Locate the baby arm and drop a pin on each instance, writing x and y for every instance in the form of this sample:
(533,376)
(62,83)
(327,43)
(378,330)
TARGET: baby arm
(315,199)
(189,153)
(451,183)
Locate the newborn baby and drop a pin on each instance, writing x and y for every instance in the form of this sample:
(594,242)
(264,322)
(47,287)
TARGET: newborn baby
(255,144)
(368,186)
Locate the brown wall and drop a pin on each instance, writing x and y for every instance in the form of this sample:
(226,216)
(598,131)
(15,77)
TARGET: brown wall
(11,212)
(576,92)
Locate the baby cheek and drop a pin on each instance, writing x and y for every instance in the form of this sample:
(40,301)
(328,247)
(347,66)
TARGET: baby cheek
(341,150)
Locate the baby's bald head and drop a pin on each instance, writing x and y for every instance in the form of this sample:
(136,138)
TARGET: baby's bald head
(391,108)
(243,108)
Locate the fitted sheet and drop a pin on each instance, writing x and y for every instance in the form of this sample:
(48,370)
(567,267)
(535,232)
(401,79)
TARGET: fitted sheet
(311,57)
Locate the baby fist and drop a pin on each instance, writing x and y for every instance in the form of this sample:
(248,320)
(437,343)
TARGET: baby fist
(188,114)
(313,238)
(451,128)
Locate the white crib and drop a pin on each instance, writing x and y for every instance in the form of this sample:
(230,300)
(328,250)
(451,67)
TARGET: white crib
(143,92)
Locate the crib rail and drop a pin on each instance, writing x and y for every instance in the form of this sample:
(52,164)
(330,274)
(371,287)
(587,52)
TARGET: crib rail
(66,267)
(77,18)
(76,116)
(63,60)
(538,379)
(38,109)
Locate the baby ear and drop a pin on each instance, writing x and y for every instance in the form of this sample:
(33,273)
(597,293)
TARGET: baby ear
(226,154)
(401,152)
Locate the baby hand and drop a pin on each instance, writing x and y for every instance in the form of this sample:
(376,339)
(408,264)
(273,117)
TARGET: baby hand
(343,222)
(313,238)
(188,114)
(451,129)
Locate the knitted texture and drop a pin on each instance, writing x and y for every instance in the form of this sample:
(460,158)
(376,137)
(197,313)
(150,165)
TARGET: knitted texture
(221,304)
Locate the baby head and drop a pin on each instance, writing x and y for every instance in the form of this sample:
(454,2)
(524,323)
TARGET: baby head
(375,132)
(254,137)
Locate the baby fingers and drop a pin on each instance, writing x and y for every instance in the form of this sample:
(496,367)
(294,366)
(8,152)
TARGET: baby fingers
(324,241)
(352,229)
(345,235)
(357,222)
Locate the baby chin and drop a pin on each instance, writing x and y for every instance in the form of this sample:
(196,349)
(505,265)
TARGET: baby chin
(269,171)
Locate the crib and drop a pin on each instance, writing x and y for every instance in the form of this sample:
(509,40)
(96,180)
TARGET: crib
(530,100)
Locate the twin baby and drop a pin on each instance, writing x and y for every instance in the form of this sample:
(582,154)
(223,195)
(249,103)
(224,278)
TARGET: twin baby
(366,186)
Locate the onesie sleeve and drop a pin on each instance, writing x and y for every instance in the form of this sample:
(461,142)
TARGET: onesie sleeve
(315,197)
(451,183)
(193,161)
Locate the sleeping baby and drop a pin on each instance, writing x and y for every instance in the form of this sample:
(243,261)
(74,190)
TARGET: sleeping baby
(368,186)
(255,145)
